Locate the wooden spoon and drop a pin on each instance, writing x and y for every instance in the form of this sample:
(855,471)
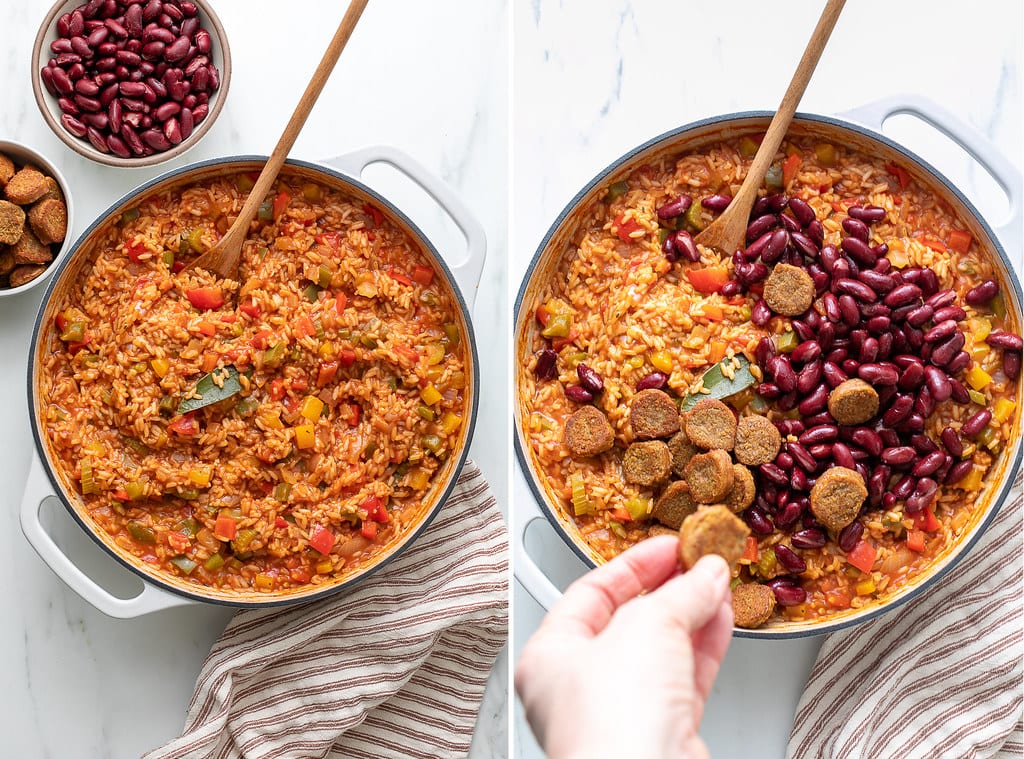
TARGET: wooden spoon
(222,259)
(728,232)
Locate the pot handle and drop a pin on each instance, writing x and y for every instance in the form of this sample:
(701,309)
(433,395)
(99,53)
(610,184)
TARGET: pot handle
(466,271)
(976,144)
(527,571)
(151,598)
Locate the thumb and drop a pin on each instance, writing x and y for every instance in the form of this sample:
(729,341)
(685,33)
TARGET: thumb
(691,600)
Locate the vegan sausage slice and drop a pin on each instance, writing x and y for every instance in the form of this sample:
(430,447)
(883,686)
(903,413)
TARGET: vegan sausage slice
(711,424)
(789,290)
(647,464)
(674,505)
(710,476)
(653,415)
(752,604)
(588,433)
(837,496)
(712,529)
(853,401)
(757,441)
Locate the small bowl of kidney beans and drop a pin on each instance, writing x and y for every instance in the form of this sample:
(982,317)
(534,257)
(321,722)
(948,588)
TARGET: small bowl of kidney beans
(131,82)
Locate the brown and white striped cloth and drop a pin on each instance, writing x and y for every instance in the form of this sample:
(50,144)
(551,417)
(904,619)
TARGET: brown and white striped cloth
(937,677)
(394,668)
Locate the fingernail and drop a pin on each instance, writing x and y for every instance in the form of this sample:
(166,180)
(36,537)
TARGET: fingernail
(713,567)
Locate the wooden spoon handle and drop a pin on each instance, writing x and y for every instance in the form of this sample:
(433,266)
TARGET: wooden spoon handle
(306,103)
(780,122)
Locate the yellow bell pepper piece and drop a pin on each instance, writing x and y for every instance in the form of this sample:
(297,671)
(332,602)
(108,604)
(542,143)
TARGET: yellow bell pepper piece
(662,361)
(160,367)
(305,438)
(264,581)
(979,329)
(200,477)
(272,420)
(430,395)
(1003,409)
(978,378)
(325,567)
(973,479)
(866,588)
(327,350)
(450,422)
(311,407)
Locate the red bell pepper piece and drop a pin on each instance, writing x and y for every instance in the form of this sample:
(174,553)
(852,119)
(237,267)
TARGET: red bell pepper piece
(280,203)
(249,308)
(225,527)
(205,298)
(185,425)
(346,357)
(862,556)
(321,539)
(708,280)
(378,217)
(369,530)
(424,275)
(326,373)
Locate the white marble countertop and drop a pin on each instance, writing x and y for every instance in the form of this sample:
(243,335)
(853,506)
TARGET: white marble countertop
(591,80)
(428,78)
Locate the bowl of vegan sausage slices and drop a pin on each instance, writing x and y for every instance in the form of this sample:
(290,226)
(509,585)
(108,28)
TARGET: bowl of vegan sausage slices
(264,439)
(834,407)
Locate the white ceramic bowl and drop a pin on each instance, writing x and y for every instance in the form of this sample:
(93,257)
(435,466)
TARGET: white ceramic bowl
(22,154)
(220,56)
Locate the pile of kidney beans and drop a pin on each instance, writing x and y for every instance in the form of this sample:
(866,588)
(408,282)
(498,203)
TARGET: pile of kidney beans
(896,330)
(133,78)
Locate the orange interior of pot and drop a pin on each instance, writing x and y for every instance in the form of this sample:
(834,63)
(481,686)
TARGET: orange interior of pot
(79,263)
(560,244)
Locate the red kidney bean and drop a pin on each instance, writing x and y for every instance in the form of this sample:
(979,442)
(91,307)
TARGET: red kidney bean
(976,423)
(859,250)
(67,105)
(808,351)
(952,442)
(682,240)
(783,373)
(958,471)
(831,304)
(959,393)
(850,365)
(904,487)
(856,288)
(954,313)
(816,232)
(764,350)
(133,20)
(61,45)
(809,538)
(760,313)
(849,536)
(913,423)
(155,139)
(898,411)
(789,559)
(754,249)
(941,331)
(152,10)
(849,311)
(899,456)
(96,38)
(132,139)
(823,433)
(802,457)
(716,203)
(919,315)
(1007,341)
(809,377)
(879,325)
(87,87)
(869,440)
(816,420)
(803,243)
(880,283)
(815,402)
(802,211)
(768,390)
(1011,365)
(869,214)
(759,226)
(578,394)
(958,362)
(73,125)
(929,464)
(788,401)
(199,62)
(878,374)
(153,50)
(774,474)
(118,146)
(983,293)
(676,207)
(97,120)
(544,369)
(784,461)
(941,299)
(165,111)
(776,245)
(902,295)
(750,274)
(922,497)
(88,104)
(652,381)
(944,352)
(803,330)
(789,426)
(787,594)
(758,521)
(834,376)
(856,228)
(938,383)
(842,456)
(868,352)
(159,34)
(821,452)
(172,130)
(672,255)
(589,379)
(97,139)
(80,45)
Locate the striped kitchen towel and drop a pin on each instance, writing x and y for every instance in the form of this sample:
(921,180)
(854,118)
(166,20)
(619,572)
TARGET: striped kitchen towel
(394,668)
(937,677)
